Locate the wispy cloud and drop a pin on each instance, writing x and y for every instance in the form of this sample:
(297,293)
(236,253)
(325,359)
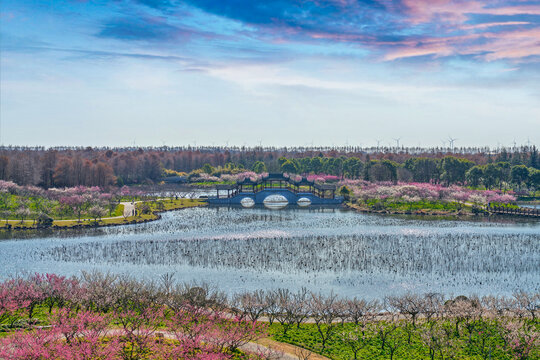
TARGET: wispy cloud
(395,29)
(487,46)
(148,29)
(458,11)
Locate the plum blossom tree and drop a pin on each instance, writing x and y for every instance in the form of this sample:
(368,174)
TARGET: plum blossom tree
(437,342)
(23,213)
(97,212)
(520,340)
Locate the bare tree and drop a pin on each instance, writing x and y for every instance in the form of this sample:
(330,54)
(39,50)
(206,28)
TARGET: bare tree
(190,295)
(325,314)
(251,304)
(99,290)
(409,304)
(527,302)
(301,306)
(166,284)
(464,311)
(286,309)
(431,306)
(131,294)
(358,310)
(499,305)
(272,309)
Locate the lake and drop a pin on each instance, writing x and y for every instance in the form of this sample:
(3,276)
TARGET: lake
(324,250)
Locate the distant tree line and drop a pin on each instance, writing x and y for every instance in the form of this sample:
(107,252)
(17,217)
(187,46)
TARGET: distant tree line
(61,167)
(448,170)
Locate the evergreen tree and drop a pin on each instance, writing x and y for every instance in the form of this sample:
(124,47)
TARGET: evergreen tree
(533,158)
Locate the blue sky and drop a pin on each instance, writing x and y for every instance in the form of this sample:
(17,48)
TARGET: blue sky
(280,72)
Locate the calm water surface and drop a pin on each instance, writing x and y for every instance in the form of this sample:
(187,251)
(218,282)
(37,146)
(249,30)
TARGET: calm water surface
(324,249)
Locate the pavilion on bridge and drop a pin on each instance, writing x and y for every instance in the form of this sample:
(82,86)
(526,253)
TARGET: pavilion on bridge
(278,181)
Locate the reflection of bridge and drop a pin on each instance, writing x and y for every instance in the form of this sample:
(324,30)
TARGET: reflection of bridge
(276,184)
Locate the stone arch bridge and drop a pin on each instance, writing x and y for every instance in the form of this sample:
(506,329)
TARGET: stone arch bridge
(308,192)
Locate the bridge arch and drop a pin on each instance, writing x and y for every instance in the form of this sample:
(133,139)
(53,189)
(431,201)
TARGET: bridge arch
(276,184)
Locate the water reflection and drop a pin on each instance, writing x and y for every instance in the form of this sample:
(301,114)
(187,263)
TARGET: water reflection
(247,202)
(275,202)
(303,202)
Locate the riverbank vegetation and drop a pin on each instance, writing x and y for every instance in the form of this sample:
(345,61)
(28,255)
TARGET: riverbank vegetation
(417,197)
(424,181)
(30,202)
(28,207)
(117,317)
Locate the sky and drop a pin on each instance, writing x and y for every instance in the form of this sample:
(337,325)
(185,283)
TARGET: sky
(269,72)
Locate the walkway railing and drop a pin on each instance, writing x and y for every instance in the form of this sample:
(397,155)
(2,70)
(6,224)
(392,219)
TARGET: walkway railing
(513,211)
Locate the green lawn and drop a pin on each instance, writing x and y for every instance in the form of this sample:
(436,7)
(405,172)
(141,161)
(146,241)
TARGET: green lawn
(442,206)
(337,348)
(118,220)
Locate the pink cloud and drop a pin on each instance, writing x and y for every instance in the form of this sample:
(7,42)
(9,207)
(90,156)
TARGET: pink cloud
(493,46)
(457,11)
(509,45)
(488,25)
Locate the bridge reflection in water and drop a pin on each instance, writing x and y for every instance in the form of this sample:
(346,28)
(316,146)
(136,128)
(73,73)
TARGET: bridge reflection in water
(276,191)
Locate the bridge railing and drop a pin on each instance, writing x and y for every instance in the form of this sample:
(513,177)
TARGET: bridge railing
(291,188)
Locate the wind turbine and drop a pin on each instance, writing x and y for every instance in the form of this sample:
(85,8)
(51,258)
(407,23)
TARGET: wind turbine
(451,142)
(378,143)
(397,142)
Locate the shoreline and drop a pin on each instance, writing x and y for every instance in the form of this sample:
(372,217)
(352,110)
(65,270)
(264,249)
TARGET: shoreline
(434,214)
(423,212)
(156,215)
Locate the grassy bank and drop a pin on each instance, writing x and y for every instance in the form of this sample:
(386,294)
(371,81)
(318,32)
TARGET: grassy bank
(479,339)
(154,208)
(417,208)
